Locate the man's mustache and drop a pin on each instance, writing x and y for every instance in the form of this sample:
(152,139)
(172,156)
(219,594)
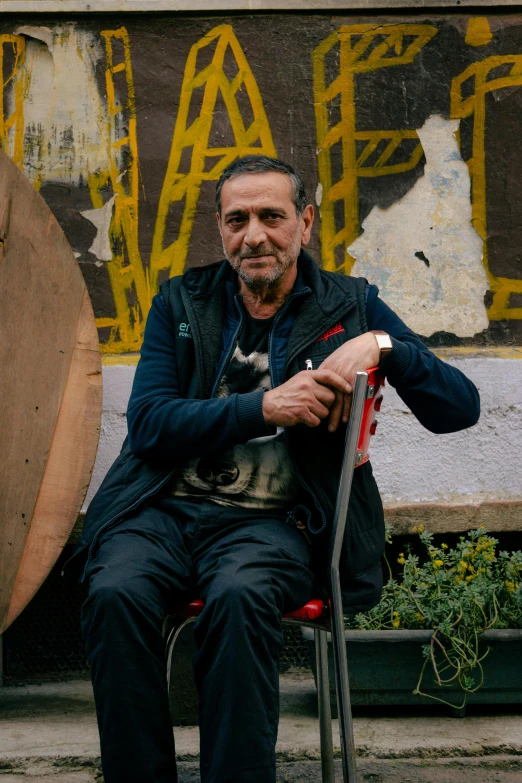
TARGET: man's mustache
(259,254)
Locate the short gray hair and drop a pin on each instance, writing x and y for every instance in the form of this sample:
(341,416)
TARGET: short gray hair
(253,164)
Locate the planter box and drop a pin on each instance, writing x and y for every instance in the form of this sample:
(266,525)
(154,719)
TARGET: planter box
(384,668)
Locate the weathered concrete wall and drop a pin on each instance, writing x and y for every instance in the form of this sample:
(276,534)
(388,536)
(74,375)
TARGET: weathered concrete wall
(478,466)
(406,129)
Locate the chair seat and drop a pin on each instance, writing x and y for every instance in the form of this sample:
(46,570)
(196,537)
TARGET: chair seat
(311,611)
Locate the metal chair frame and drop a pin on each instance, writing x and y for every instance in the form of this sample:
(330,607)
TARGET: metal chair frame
(355,453)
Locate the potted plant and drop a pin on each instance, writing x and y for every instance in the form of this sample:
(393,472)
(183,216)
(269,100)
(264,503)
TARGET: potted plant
(448,629)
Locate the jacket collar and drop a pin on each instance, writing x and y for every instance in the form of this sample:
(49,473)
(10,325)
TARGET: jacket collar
(330,298)
(328,289)
(207,291)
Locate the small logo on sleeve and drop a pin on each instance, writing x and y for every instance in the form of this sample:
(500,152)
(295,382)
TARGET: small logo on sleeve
(330,332)
(184,331)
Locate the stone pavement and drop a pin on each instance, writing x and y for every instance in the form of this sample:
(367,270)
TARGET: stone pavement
(50,729)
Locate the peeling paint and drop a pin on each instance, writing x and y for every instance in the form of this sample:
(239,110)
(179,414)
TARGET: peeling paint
(101,219)
(432,222)
(65,123)
(92,110)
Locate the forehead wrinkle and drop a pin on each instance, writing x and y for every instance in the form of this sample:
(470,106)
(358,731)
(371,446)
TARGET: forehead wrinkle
(258,210)
(246,190)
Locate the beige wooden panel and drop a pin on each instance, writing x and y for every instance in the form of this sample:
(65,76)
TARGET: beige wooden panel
(41,296)
(69,465)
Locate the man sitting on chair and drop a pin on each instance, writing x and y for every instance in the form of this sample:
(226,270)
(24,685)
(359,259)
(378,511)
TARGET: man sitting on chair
(226,486)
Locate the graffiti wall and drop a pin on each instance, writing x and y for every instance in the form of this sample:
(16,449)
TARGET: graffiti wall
(407,132)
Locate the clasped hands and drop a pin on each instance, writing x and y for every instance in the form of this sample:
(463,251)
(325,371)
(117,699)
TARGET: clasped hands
(325,393)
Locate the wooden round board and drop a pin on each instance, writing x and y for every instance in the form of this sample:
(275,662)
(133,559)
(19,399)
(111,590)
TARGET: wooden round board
(50,390)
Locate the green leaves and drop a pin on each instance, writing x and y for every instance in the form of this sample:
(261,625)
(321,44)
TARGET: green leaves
(458,592)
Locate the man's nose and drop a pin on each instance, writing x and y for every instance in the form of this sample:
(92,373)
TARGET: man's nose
(255,234)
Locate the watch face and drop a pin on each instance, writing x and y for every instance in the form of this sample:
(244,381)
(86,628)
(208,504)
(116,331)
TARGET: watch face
(384,342)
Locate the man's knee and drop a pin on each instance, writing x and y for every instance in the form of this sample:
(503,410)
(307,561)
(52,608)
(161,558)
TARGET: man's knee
(116,599)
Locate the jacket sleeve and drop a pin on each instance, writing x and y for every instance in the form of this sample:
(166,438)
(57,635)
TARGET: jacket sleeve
(165,426)
(441,397)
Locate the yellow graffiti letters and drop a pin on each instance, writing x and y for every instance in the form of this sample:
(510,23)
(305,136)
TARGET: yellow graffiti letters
(362,49)
(12,54)
(255,138)
(126,271)
(474,105)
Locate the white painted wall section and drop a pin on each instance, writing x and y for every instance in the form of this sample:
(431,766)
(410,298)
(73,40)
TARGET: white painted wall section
(411,464)
(423,252)
(65,122)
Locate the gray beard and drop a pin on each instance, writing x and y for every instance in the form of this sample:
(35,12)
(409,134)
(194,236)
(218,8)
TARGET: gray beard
(257,284)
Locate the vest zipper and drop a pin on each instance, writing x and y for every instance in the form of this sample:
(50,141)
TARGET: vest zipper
(314,336)
(298,472)
(287,364)
(307,488)
(227,359)
(276,321)
(155,488)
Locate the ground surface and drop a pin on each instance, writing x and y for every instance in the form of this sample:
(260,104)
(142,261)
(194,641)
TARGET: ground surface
(495,770)
(48,733)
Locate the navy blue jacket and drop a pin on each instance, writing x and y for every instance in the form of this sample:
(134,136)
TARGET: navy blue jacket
(161,420)
(172,415)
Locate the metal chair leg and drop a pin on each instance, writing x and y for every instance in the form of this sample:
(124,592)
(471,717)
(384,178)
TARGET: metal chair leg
(182,693)
(325,713)
(340,526)
(342,685)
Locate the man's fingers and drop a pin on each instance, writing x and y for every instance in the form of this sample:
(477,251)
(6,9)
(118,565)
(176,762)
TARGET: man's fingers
(318,409)
(325,395)
(311,420)
(330,378)
(347,404)
(335,412)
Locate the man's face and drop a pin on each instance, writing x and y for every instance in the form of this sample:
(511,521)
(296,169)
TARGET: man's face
(261,232)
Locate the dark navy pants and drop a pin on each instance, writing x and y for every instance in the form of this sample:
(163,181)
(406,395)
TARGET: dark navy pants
(249,569)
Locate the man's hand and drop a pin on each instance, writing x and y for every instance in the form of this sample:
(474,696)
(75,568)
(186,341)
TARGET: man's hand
(360,353)
(304,399)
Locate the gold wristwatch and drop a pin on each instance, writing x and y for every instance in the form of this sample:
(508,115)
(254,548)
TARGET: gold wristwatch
(384,342)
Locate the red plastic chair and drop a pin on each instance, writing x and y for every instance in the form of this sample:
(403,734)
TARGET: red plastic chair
(316,614)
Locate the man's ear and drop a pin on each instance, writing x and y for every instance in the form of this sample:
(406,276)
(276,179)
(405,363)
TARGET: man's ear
(308,219)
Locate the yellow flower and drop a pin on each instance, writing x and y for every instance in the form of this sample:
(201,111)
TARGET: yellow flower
(401,559)
(417,529)
(463,565)
(419,617)
(438,563)
(458,579)
(444,546)
(396,620)
(510,586)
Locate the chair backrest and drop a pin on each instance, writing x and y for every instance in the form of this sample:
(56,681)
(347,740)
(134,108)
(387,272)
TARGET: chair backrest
(372,405)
